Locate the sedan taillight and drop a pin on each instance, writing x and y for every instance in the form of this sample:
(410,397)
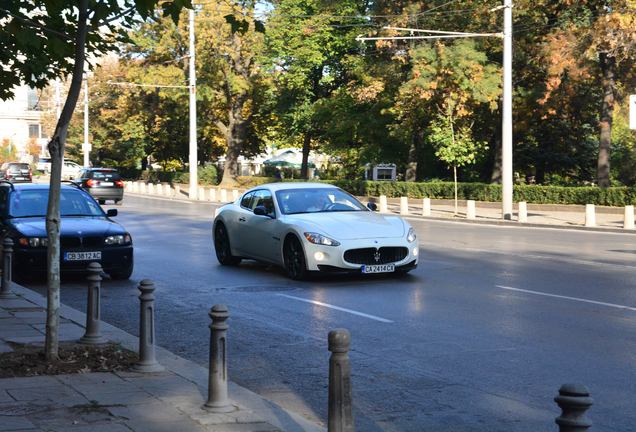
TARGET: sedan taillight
(90,183)
(119,183)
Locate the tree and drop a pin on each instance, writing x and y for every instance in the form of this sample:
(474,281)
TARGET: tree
(44,39)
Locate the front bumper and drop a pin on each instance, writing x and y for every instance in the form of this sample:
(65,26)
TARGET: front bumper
(33,260)
(330,258)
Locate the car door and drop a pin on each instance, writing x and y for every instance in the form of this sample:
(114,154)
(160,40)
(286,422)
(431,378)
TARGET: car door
(260,233)
(235,223)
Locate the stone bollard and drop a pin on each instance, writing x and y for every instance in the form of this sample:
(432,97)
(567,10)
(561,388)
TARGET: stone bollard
(235,195)
(92,336)
(340,416)
(7,263)
(404,206)
(384,208)
(201,195)
(212,194)
(223,198)
(471,212)
(629,217)
(590,215)
(426,207)
(523,212)
(218,400)
(147,360)
(574,400)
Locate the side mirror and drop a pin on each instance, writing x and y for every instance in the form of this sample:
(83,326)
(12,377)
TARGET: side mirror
(372,206)
(261,211)
(111,212)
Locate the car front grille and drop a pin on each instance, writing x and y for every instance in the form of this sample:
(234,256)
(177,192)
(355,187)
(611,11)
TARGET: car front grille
(383,255)
(74,242)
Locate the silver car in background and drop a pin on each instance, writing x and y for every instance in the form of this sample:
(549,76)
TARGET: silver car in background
(312,227)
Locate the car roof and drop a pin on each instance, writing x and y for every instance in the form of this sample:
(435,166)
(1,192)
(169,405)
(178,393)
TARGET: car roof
(35,186)
(293,185)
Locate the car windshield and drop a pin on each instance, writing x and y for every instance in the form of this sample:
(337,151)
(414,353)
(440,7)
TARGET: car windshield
(33,202)
(316,200)
(19,167)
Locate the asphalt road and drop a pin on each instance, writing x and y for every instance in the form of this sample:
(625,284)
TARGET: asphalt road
(478,338)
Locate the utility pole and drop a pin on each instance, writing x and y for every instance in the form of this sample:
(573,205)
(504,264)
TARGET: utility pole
(194,186)
(506,141)
(86,146)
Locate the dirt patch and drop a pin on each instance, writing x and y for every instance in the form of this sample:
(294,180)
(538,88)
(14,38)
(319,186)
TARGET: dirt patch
(28,360)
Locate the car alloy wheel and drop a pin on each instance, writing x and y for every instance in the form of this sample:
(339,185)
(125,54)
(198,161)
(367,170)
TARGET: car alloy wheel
(295,259)
(222,247)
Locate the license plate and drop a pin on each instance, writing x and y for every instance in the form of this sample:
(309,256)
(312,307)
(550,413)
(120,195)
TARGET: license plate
(379,268)
(82,256)
(106,183)
(20,178)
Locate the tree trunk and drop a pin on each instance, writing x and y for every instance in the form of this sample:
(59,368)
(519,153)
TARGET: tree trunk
(455,178)
(236,135)
(304,168)
(608,66)
(495,175)
(56,149)
(411,167)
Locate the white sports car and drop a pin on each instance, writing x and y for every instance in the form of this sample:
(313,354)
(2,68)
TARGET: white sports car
(307,227)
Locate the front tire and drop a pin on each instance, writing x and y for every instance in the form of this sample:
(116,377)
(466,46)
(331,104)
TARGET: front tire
(222,247)
(294,259)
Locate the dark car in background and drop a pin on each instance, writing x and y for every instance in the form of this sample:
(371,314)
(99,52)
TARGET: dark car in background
(102,183)
(87,233)
(16,172)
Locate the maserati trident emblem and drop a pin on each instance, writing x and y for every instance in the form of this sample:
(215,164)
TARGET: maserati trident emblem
(377,256)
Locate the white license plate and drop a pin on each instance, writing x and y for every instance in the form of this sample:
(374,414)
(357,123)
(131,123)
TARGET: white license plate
(82,256)
(106,183)
(379,268)
(20,178)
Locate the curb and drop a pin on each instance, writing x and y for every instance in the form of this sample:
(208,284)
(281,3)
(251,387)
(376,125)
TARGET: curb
(509,224)
(198,375)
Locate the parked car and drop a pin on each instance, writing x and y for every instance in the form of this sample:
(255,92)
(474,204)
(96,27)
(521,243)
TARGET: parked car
(87,233)
(103,184)
(16,172)
(70,170)
(307,227)
(44,165)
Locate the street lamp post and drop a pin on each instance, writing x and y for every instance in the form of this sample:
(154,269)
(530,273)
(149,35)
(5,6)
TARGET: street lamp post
(86,148)
(194,186)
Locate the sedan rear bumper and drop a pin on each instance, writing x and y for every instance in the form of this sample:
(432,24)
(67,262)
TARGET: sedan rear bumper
(106,193)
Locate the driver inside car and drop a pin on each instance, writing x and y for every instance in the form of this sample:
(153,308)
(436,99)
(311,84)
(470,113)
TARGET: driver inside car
(318,202)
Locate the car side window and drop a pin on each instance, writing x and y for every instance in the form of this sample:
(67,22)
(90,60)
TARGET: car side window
(264,198)
(247,201)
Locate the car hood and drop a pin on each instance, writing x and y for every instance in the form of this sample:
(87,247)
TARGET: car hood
(351,225)
(70,226)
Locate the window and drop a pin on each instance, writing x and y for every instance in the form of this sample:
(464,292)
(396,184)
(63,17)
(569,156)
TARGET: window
(34,131)
(264,198)
(33,101)
(247,200)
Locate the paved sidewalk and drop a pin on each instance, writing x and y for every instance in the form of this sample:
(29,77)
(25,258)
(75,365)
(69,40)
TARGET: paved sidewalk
(120,401)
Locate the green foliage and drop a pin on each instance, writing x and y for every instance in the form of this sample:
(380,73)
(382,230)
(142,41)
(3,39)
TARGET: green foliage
(206,175)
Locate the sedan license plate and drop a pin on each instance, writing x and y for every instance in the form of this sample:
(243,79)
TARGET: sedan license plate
(379,268)
(106,183)
(20,178)
(82,256)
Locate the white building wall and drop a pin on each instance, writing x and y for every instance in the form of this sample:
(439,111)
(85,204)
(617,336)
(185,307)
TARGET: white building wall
(15,118)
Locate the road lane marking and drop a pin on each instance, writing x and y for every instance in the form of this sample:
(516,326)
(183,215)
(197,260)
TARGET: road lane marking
(373,317)
(617,306)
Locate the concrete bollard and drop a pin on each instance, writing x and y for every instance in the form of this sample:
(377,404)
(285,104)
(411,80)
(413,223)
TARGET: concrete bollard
(574,400)
(151,188)
(143,187)
(218,400)
(384,208)
(135,187)
(523,212)
(590,215)
(235,195)
(201,195)
(177,191)
(92,336)
(404,205)
(159,189)
(223,198)
(147,360)
(426,207)
(212,194)
(471,212)
(629,217)
(7,263)
(340,416)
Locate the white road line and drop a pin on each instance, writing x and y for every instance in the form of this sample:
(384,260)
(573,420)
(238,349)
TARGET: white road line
(617,306)
(373,317)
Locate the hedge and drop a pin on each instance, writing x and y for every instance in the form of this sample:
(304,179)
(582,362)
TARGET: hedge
(613,196)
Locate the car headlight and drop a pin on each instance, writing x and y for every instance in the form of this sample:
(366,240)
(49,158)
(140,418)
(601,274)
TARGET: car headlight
(118,240)
(320,239)
(411,236)
(33,241)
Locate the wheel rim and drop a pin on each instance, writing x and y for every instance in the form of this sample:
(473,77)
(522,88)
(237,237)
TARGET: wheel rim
(294,259)
(221,243)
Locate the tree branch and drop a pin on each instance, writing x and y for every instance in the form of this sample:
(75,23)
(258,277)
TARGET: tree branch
(34,24)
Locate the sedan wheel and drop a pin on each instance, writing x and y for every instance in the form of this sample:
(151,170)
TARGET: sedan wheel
(294,257)
(222,247)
